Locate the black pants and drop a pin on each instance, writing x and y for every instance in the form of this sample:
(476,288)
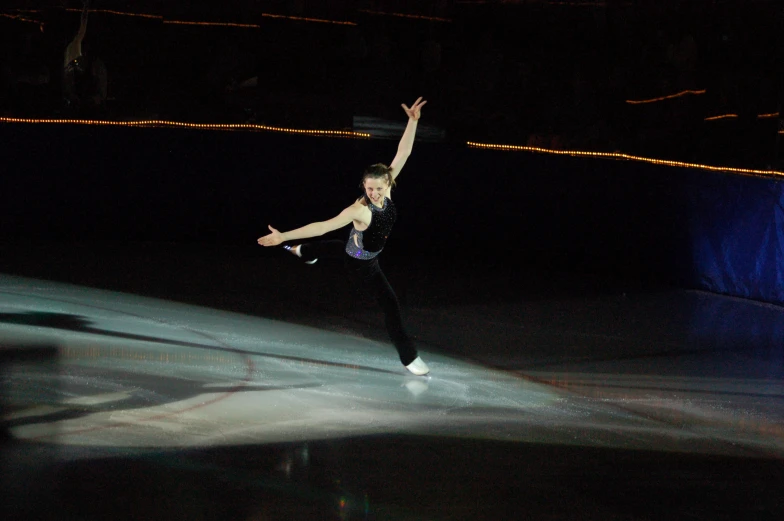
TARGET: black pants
(367,275)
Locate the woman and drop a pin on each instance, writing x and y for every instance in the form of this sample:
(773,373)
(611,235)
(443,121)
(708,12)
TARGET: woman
(373,216)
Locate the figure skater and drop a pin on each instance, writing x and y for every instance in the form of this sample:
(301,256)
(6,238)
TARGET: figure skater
(73,59)
(85,78)
(373,216)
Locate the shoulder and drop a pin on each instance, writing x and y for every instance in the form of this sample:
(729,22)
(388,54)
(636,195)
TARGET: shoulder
(358,209)
(358,212)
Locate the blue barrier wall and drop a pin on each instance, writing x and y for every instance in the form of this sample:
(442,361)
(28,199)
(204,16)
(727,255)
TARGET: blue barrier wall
(737,236)
(651,223)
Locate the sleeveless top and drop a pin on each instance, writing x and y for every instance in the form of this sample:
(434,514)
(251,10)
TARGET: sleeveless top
(369,243)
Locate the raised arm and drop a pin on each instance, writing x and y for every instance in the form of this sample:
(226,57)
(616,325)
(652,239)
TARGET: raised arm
(83,23)
(74,49)
(352,213)
(407,141)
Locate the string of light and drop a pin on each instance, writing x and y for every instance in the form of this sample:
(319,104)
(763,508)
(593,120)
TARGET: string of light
(722,116)
(352,134)
(257,26)
(213,24)
(662,98)
(198,126)
(162,19)
(735,116)
(578,4)
(21,18)
(119,13)
(628,157)
(552,2)
(405,15)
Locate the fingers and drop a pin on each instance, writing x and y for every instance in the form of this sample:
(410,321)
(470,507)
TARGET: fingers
(413,111)
(416,104)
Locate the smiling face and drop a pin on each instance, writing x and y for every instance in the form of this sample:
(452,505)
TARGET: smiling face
(376,188)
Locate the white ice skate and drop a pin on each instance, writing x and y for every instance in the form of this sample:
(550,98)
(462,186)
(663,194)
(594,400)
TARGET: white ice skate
(295,251)
(418,367)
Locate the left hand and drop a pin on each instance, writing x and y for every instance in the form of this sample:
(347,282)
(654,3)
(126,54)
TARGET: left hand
(414,111)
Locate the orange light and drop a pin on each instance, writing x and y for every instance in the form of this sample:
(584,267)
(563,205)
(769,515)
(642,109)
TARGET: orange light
(723,116)
(580,4)
(302,19)
(120,13)
(21,18)
(731,116)
(218,24)
(256,26)
(671,96)
(553,3)
(199,126)
(404,15)
(213,24)
(627,157)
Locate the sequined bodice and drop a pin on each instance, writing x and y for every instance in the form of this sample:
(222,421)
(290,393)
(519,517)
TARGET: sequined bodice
(369,243)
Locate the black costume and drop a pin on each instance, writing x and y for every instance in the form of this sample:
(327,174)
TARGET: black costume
(360,257)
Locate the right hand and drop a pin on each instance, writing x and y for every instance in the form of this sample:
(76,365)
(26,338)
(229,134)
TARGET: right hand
(272,239)
(415,111)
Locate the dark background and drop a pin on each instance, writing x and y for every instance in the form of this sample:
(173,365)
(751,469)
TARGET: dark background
(556,75)
(524,259)
(546,73)
(220,188)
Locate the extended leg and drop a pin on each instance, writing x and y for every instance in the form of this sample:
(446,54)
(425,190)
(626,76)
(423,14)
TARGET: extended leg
(297,250)
(313,251)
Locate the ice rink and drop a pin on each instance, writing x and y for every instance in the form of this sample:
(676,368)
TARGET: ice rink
(279,397)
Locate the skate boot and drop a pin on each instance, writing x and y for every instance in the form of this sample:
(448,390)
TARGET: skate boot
(418,367)
(296,251)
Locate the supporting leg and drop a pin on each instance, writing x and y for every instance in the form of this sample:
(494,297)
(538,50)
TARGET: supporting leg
(386,298)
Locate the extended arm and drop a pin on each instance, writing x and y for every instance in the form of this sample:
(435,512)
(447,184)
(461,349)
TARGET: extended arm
(352,213)
(82,24)
(407,141)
